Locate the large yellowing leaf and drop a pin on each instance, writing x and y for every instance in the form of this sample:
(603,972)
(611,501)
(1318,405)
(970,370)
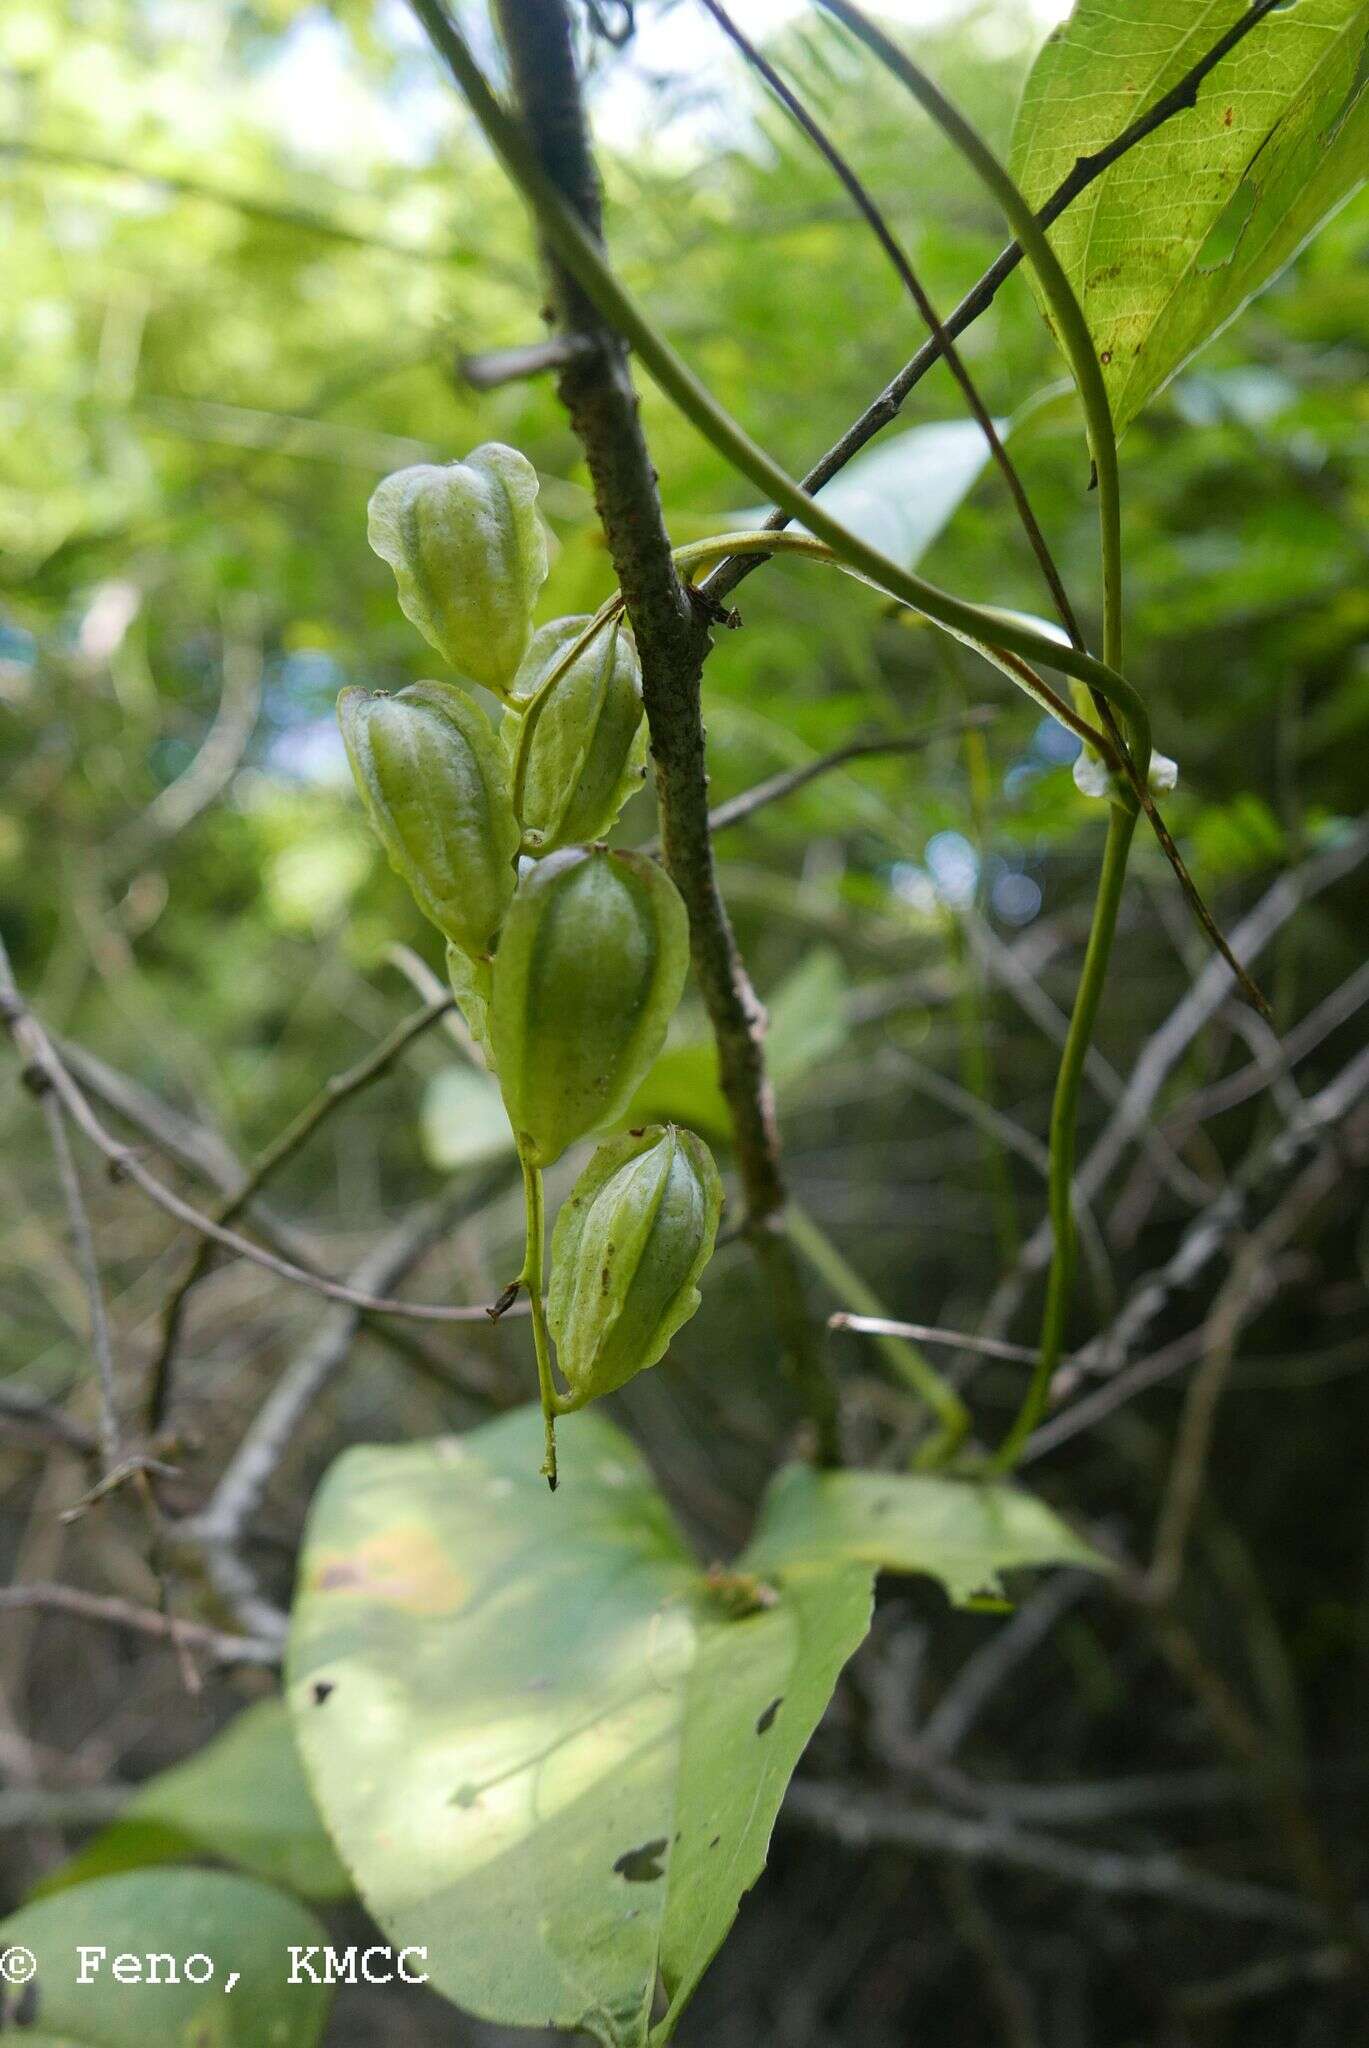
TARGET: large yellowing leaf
(1170,242)
(549,1747)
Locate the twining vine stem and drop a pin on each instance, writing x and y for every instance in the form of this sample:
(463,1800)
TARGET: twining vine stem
(883,410)
(1063,1131)
(699,554)
(1073,330)
(916,290)
(582,257)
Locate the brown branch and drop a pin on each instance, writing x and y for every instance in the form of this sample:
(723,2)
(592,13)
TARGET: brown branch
(337,1090)
(204,1155)
(929,1333)
(738,809)
(78,1222)
(41,1060)
(1277,1777)
(45,1421)
(83,1242)
(1181,97)
(1162,1051)
(1248,1286)
(671,628)
(143,1621)
(214,1535)
(866,1820)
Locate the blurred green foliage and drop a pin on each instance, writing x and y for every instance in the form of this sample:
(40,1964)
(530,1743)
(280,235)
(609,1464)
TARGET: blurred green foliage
(247,243)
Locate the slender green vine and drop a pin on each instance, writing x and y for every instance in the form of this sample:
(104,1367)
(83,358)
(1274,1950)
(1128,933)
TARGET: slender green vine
(701,554)
(1064,1123)
(1068,314)
(1073,331)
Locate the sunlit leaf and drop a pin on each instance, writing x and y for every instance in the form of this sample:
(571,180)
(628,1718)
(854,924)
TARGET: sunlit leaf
(807,1017)
(463,1120)
(806,1026)
(900,493)
(177,1916)
(549,1747)
(1169,243)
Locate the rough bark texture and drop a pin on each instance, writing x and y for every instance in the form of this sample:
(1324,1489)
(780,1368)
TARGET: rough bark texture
(672,634)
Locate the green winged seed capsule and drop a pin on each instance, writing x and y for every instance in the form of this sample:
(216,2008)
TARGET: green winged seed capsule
(432,776)
(588,747)
(589,970)
(469,556)
(630,1243)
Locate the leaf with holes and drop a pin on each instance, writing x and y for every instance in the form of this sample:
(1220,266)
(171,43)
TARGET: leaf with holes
(164,1920)
(1168,245)
(549,1747)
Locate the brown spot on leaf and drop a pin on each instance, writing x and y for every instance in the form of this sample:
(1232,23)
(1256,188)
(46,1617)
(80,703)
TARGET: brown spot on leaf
(642,1866)
(767,1719)
(320,1689)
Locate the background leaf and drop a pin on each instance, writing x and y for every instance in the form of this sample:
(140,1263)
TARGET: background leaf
(242,1798)
(463,1120)
(900,493)
(548,1746)
(1170,243)
(240,1924)
(807,1025)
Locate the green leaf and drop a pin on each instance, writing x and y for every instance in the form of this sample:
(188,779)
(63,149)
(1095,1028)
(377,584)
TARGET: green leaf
(807,1017)
(807,1026)
(243,1798)
(463,1122)
(681,1087)
(239,1924)
(1171,242)
(549,1747)
(965,1534)
(901,493)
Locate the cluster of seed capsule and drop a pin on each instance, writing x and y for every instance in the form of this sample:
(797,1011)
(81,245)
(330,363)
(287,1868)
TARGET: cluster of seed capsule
(567,956)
